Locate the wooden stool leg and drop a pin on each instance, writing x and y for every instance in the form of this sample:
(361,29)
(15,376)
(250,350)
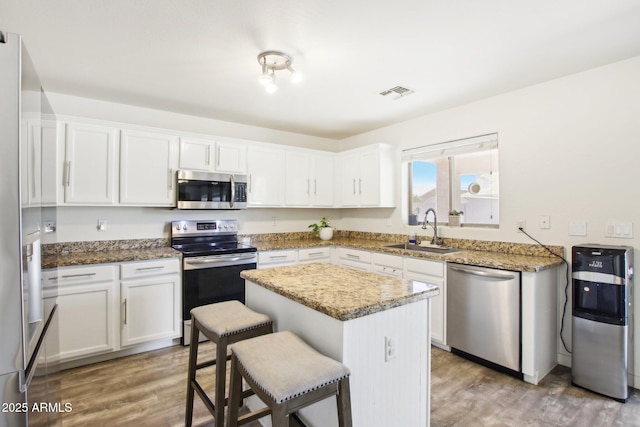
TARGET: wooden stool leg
(193,359)
(221,377)
(235,394)
(344,403)
(279,416)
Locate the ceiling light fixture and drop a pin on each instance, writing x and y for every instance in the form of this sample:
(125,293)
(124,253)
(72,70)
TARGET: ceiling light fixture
(272,61)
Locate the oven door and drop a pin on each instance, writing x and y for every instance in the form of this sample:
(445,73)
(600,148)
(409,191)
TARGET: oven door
(211,279)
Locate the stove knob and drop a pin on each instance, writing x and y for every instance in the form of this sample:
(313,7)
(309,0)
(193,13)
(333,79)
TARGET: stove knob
(232,225)
(226,226)
(184,227)
(178,227)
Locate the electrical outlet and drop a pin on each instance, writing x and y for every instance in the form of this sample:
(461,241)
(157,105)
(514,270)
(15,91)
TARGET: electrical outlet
(544,222)
(274,221)
(102,225)
(390,348)
(521,224)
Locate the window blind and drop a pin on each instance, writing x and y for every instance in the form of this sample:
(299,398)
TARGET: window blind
(451,148)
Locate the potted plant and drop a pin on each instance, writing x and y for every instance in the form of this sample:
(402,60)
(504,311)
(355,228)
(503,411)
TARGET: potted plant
(454,218)
(324,230)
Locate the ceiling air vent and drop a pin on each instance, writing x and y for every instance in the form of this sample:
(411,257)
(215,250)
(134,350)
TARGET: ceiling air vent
(396,92)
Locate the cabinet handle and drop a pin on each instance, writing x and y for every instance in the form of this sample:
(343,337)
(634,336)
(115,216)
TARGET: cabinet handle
(208,159)
(308,186)
(278,257)
(316,254)
(159,267)
(170,179)
(68,173)
(354,186)
(315,187)
(232,183)
(250,183)
(125,311)
(353,256)
(218,157)
(71,276)
(360,186)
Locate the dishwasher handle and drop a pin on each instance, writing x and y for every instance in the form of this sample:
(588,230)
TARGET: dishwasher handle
(491,275)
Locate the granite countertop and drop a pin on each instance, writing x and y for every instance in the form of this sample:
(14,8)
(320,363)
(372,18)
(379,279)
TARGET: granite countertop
(105,252)
(493,254)
(340,292)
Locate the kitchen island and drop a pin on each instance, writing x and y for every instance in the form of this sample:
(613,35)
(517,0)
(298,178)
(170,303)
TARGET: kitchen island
(376,325)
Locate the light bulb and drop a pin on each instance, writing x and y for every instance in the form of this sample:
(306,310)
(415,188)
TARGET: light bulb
(265,79)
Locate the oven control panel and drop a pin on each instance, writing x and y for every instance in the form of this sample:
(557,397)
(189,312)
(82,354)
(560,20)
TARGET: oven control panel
(205,227)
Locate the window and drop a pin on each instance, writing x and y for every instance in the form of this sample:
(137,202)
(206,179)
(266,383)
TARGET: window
(458,175)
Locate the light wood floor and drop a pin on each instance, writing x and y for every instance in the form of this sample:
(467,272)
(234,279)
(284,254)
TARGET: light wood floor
(149,390)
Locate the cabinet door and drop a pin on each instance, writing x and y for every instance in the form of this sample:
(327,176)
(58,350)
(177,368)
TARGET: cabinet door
(150,309)
(350,180)
(432,272)
(231,157)
(32,165)
(197,154)
(51,179)
(369,180)
(266,176)
(297,179)
(86,319)
(322,180)
(91,164)
(148,162)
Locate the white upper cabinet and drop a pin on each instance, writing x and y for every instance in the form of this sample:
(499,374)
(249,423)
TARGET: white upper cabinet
(91,164)
(231,157)
(213,156)
(266,176)
(309,179)
(197,154)
(367,177)
(51,176)
(148,162)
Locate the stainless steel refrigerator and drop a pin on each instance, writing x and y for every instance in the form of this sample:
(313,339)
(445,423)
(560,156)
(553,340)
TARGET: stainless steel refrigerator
(23,319)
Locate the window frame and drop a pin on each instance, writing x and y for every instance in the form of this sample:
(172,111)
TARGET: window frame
(448,150)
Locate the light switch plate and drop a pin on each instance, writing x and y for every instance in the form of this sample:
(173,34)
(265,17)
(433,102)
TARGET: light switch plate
(577,228)
(619,229)
(544,221)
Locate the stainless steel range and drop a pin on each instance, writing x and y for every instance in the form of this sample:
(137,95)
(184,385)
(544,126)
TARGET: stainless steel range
(212,259)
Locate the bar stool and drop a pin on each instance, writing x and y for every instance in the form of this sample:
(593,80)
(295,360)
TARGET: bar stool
(223,323)
(287,375)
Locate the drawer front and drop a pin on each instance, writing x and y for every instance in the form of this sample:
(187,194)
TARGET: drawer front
(388,271)
(423,266)
(270,257)
(387,260)
(135,269)
(78,275)
(314,254)
(354,255)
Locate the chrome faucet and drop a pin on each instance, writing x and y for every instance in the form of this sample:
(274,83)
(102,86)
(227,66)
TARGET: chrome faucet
(436,240)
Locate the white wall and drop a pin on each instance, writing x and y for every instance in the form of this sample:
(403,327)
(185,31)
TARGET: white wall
(67,105)
(569,148)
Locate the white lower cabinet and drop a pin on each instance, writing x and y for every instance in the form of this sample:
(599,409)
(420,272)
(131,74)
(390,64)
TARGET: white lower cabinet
(390,265)
(268,259)
(150,301)
(87,316)
(432,272)
(354,258)
(314,255)
(90,320)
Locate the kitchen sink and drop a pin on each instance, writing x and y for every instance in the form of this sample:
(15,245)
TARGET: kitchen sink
(418,248)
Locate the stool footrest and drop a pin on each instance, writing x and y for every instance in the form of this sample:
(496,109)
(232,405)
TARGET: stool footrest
(253,416)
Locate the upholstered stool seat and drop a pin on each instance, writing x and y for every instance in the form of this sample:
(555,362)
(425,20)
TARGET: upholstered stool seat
(287,375)
(223,323)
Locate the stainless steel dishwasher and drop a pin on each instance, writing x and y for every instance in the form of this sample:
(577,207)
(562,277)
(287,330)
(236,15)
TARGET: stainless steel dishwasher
(483,315)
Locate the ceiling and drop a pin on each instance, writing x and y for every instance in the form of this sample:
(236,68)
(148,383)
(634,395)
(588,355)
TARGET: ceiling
(198,57)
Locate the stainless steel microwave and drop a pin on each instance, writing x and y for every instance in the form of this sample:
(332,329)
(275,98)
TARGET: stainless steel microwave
(205,190)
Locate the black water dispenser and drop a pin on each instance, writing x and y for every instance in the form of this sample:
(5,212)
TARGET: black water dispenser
(602,318)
